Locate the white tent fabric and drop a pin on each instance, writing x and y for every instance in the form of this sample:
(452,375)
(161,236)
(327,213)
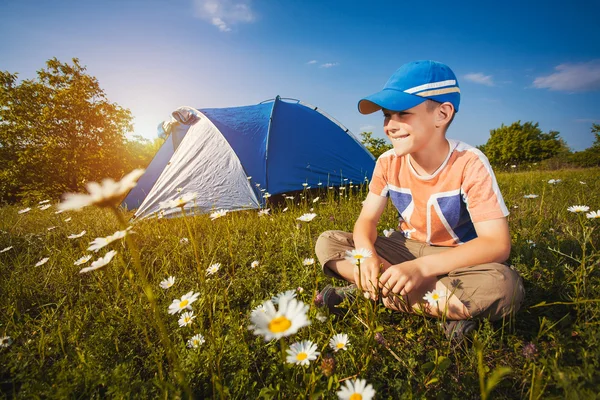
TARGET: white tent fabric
(204,159)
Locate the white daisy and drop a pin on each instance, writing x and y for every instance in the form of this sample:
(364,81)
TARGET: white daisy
(254,264)
(258,309)
(76,235)
(68,219)
(320,317)
(305,184)
(44,202)
(45,207)
(167,283)
(355,256)
(218,214)
(356,390)
(51,228)
(196,341)
(83,260)
(582,182)
(59,212)
(530,196)
(213,269)
(302,353)
(590,215)
(184,240)
(100,242)
(434,296)
(316,198)
(531,243)
(285,209)
(10,247)
(554,181)
(339,342)
(179,189)
(578,209)
(184,303)
(249,177)
(388,232)
(5,341)
(186,318)
(307,217)
(289,197)
(274,324)
(23,211)
(288,294)
(178,202)
(106,194)
(308,261)
(267,195)
(42,262)
(264,212)
(99,263)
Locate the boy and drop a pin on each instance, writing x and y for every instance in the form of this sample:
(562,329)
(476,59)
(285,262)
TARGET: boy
(453,230)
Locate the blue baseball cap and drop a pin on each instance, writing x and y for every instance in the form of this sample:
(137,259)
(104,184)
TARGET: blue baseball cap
(412,84)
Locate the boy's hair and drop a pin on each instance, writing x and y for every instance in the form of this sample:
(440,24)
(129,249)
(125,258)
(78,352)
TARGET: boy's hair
(431,105)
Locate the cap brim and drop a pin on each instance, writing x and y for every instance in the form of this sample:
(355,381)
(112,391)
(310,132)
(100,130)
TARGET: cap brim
(393,100)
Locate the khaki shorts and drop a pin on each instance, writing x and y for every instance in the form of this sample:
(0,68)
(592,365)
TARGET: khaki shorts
(491,290)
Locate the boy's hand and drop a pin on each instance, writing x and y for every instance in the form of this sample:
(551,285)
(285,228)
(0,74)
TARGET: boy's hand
(369,271)
(401,278)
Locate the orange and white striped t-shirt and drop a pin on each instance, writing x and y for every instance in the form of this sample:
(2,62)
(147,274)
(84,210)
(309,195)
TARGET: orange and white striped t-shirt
(440,209)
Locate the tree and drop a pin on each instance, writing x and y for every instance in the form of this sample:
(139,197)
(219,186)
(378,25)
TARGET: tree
(376,146)
(57,132)
(589,157)
(522,143)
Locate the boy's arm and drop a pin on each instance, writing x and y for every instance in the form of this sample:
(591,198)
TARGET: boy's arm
(364,235)
(492,244)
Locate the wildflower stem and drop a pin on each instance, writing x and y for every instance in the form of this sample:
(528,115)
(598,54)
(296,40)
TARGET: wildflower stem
(201,273)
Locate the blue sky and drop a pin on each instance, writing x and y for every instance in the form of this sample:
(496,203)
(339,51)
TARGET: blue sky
(515,60)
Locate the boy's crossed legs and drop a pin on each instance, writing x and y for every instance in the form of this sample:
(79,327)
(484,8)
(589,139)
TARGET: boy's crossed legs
(490,290)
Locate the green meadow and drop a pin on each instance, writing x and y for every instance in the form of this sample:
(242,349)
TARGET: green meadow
(108,333)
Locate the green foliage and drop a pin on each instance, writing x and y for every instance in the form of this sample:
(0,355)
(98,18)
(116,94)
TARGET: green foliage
(589,157)
(522,143)
(58,131)
(376,146)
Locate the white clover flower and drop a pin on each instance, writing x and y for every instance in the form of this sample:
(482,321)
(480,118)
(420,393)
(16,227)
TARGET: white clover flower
(307,217)
(213,269)
(254,264)
(339,342)
(288,294)
(5,341)
(196,341)
(99,263)
(186,318)
(530,196)
(264,212)
(308,261)
(83,260)
(184,303)
(356,256)
(167,283)
(355,390)
(590,215)
(42,262)
(218,214)
(578,209)
(4,250)
(388,232)
(434,296)
(25,210)
(302,353)
(77,235)
(101,242)
(106,194)
(275,324)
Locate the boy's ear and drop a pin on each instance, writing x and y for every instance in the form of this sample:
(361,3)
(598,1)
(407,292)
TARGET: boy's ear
(444,114)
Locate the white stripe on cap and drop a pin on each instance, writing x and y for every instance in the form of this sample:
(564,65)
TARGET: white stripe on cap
(432,85)
(438,92)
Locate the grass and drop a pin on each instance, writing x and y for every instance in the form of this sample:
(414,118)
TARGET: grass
(95,335)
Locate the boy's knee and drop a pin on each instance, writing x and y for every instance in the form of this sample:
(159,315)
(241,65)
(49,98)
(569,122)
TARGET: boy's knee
(502,297)
(332,243)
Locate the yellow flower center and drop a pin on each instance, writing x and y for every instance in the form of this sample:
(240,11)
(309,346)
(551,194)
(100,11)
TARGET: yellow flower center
(301,356)
(183,303)
(340,345)
(435,296)
(358,256)
(356,396)
(196,342)
(279,324)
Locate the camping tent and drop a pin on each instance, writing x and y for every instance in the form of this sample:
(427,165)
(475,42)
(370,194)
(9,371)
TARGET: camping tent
(230,157)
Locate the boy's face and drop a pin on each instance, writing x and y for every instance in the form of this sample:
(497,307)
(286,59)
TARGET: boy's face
(409,130)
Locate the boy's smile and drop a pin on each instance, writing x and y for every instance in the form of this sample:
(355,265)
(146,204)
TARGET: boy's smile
(409,130)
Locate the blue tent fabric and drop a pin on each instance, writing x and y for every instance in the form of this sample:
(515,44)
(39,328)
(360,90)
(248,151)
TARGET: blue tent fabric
(280,144)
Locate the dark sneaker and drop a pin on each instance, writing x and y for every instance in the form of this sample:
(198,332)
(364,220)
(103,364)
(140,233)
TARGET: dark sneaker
(332,296)
(456,330)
